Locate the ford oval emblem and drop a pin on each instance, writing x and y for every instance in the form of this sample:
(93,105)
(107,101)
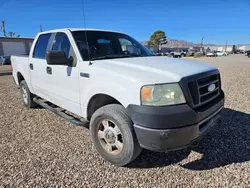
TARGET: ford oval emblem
(211,87)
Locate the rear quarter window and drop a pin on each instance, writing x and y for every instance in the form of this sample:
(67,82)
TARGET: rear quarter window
(41,46)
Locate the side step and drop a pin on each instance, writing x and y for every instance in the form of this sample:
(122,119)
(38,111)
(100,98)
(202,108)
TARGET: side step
(61,112)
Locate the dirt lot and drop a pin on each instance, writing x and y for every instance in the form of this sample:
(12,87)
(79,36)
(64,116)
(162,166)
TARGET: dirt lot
(37,148)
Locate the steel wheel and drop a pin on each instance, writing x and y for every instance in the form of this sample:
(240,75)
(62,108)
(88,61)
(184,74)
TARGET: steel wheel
(25,95)
(110,137)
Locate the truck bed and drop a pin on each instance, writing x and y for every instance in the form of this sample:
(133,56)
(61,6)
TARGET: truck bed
(20,64)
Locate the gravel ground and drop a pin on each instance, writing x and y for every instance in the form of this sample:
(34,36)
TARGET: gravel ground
(5,70)
(39,149)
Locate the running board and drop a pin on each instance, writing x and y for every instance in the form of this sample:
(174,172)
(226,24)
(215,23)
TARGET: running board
(61,112)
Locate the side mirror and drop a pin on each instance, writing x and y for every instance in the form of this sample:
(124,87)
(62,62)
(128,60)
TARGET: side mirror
(58,58)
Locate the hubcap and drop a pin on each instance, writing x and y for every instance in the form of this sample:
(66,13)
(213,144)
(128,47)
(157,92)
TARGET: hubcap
(110,137)
(25,95)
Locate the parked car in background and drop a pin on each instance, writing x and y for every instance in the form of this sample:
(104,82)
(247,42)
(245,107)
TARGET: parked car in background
(4,60)
(211,54)
(177,54)
(190,53)
(247,52)
(167,54)
(221,53)
(240,51)
(183,53)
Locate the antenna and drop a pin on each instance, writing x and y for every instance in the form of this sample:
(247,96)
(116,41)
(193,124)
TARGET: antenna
(41,28)
(86,37)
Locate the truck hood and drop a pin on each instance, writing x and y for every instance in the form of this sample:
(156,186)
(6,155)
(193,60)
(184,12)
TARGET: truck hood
(154,69)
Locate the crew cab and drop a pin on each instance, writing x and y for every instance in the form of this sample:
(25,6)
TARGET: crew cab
(131,98)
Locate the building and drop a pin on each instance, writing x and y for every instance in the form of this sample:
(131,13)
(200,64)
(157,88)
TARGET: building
(228,49)
(244,47)
(14,46)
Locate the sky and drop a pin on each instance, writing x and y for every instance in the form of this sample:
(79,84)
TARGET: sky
(217,21)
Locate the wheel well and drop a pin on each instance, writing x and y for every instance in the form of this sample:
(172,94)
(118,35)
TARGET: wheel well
(20,77)
(98,101)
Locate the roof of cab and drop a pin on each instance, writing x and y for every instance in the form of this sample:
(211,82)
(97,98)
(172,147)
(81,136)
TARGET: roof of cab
(76,29)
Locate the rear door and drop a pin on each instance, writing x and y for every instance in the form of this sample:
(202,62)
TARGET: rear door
(37,65)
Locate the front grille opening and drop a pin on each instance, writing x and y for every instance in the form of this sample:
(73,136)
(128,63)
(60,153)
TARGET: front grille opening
(208,79)
(204,90)
(209,96)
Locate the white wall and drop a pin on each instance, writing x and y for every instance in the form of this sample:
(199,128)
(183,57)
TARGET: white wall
(245,48)
(220,48)
(242,48)
(13,48)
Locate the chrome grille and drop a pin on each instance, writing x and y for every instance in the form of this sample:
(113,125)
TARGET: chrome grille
(200,92)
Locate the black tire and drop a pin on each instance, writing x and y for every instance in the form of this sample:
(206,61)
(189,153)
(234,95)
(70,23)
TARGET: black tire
(118,115)
(28,101)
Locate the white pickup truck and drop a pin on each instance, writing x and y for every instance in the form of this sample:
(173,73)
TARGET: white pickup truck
(131,98)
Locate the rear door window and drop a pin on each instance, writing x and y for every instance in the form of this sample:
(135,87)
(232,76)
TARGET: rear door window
(41,46)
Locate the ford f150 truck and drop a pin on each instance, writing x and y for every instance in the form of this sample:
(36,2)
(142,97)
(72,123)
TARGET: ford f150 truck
(131,98)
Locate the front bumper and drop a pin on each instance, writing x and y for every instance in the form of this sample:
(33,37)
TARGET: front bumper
(173,127)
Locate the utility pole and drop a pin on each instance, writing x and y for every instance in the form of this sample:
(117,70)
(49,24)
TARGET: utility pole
(41,28)
(3,28)
(201,45)
(226,47)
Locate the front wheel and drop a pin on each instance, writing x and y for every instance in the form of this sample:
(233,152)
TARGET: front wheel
(113,135)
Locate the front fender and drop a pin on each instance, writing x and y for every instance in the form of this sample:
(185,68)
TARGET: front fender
(121,93)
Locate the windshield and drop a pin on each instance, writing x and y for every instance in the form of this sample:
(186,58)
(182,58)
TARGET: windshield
(107,45)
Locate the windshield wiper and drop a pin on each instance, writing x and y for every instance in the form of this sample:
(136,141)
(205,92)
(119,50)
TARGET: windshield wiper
(112,56)
(109,57)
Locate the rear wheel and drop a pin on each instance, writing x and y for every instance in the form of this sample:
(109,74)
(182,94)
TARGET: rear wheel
(113,135)
(26,95)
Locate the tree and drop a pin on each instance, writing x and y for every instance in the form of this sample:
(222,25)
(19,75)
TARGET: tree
(9,34)
(2,28)
(12,34)
(157,38)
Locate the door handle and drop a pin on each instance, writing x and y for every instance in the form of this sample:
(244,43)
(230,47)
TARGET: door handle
(31,66)
(49,70)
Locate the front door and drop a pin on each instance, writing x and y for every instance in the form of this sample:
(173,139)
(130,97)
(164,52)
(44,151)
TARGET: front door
(63,80)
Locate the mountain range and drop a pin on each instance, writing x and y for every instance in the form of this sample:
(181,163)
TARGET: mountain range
(173,43)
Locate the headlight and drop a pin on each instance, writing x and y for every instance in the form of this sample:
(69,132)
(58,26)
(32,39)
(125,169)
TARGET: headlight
(162,94)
